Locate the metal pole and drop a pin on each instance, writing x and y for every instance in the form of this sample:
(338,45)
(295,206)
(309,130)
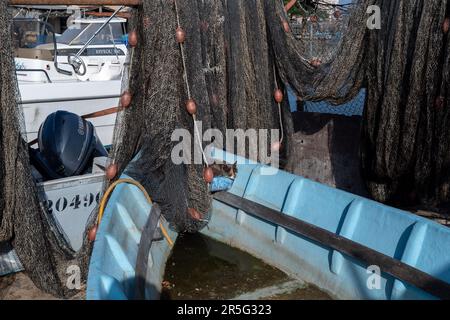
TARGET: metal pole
(129,3)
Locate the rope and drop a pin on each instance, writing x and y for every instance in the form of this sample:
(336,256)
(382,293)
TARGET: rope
(188,89)
(279,105)
(111,188)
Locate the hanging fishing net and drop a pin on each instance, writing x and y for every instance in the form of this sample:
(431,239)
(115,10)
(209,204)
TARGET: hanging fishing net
(33,232)
(404,66)
(225,64)
(319,31)
(234,55)
(405,142)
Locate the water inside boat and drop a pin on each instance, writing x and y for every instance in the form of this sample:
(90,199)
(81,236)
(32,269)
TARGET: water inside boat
(202,268)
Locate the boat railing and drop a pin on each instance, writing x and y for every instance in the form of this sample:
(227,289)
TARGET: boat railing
(36,70)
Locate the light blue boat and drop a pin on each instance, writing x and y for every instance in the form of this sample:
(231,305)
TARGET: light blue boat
(409,239)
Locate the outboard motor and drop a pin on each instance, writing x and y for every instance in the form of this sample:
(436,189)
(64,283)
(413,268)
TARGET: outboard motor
(67,146)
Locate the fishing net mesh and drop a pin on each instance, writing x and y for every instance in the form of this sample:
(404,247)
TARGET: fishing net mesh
(35,236)
(234,56)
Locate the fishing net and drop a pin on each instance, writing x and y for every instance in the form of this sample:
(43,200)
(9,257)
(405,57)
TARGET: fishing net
(230,73)
(404,66)
(320,33)
(34,234)
(405,142)
(236,53)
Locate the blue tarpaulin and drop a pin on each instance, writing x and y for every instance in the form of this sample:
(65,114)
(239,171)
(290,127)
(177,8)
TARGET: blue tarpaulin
(221,184)
(9,261)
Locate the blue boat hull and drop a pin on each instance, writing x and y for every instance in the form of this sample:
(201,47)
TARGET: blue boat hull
(415,241)
(112,266)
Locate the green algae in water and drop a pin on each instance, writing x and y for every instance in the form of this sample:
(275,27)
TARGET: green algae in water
(202,268)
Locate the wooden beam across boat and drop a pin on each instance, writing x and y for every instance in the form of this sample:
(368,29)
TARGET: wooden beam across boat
(388,265)
(129,3)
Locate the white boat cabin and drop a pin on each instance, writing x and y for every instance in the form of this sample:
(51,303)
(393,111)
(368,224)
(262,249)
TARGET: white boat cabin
(103,58)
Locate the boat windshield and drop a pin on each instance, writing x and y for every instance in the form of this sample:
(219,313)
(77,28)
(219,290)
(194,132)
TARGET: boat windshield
(29,33)
(79,34)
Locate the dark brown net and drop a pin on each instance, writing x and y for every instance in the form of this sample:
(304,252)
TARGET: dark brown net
(404,65)
(235,50)
(230,72)
(35,236)
(405,143)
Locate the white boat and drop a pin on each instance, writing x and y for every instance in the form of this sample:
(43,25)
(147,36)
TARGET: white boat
(48,82)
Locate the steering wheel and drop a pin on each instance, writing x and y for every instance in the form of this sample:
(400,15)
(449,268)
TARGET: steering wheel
(77,64)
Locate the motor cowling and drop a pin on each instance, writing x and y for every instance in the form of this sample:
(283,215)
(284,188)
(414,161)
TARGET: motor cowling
(67,145)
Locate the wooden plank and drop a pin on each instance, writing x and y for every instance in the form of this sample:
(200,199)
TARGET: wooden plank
(388,265)
(129,3)
(326,150)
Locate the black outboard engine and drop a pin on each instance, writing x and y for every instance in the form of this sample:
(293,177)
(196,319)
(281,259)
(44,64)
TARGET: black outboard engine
(67,146)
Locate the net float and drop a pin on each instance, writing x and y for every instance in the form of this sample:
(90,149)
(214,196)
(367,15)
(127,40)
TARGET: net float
(133,39)
(191,107)
(180,35)
(208,174)
(166,284)
(125,99)
(278,95)
(286,26)
(195,214)
(146,22)
(337,14)
(446,25)
(276,146)
(214,100)
(440,101)
(316,62)
(314,19)
(92,234)
(111,171)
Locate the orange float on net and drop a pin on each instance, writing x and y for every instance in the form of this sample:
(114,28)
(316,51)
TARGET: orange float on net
(146,22)
(337,14)
(316,62)
(276,146)
(111,171)
(208,174)
(286,26)
(92,234)
(133,38)
(446,25)
(278,96)
(195,214)
(191,107)
(180,35)
(440,101)
(125,99)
